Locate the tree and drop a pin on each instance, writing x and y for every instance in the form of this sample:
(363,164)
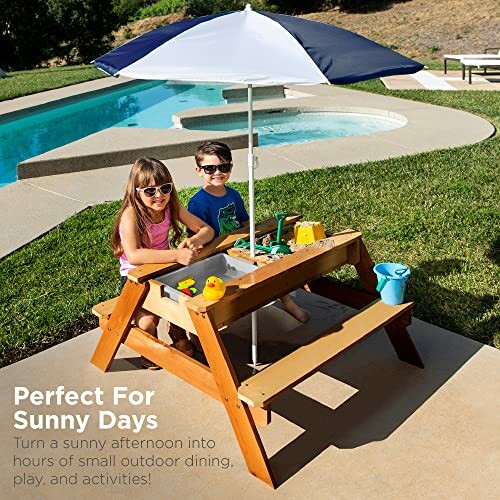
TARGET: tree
(27,33)
(83,28)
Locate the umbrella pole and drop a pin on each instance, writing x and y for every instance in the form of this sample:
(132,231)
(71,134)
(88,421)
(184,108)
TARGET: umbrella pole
(251,202)
(251,199)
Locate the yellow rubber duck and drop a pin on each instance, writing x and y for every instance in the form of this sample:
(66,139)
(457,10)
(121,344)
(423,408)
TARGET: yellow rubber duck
(214,288)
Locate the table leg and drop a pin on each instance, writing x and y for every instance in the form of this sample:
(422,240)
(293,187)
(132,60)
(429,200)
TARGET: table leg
(463,71)
(364,268)
(402,342)
(238,412)
(119,324)
(445,65)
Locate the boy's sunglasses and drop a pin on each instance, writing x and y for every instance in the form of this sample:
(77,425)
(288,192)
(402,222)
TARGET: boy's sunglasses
(223,168)
(151,191)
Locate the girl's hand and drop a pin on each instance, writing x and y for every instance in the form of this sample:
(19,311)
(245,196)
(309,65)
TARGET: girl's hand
(192,243)
(186,256)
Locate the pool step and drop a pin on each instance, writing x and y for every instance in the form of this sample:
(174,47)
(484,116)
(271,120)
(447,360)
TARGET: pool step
(239,93)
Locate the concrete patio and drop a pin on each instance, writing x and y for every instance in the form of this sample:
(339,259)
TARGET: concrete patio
(451,81)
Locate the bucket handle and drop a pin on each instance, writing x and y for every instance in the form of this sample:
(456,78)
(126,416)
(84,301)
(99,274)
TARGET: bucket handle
(381,284)
(401,271)
(384,279)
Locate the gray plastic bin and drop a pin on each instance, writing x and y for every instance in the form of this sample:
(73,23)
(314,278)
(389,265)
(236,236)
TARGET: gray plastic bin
(221,265)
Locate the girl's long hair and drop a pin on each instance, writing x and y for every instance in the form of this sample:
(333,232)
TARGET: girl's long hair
(143,172)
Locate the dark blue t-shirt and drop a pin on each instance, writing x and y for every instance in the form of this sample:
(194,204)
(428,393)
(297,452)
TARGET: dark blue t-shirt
(224,213)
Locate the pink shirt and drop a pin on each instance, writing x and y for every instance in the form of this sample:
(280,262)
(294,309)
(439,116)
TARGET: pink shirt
(159,236)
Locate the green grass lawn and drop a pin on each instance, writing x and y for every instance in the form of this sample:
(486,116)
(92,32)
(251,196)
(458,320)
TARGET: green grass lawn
(21,83)
(437,212)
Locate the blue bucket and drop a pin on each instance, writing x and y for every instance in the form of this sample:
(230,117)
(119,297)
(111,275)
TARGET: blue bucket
(391,282)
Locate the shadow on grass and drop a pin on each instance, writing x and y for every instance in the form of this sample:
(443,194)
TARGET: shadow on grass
(494,251)
(10,354)
(450,306)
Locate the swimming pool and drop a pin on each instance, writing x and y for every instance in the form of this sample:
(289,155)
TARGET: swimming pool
(146,104)
(289,126)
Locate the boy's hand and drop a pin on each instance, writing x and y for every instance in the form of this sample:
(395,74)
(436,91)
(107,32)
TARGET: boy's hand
(191,243)
(186,256)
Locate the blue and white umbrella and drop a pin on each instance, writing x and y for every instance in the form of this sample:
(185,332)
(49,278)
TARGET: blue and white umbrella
(254,47)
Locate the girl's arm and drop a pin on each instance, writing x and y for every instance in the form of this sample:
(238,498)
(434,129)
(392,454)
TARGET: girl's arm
(203,232)
(137,254)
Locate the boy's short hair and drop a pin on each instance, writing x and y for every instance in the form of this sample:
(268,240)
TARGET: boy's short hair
(218,149)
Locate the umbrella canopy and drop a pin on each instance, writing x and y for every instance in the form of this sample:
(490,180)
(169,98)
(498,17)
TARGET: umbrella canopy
(254,47)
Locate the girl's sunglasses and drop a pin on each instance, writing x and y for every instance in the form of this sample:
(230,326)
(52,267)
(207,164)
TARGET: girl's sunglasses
(151,191)
(223,168)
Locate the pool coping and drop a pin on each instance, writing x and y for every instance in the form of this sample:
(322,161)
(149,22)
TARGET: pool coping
(187,119)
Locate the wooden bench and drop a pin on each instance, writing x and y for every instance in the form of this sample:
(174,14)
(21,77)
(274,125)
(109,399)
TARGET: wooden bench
(260,389)
(103,310)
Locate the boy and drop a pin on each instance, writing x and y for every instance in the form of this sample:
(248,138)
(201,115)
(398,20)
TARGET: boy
(221,206)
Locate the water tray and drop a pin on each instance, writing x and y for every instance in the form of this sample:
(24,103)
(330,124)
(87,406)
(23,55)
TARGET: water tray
(221,265)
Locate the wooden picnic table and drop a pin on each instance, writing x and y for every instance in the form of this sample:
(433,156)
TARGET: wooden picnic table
(247,402)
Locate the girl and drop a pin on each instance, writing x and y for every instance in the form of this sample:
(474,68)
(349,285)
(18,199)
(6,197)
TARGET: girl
(149,214)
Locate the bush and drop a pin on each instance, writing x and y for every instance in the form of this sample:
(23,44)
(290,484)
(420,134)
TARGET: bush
(196,8)
(294,7)
(366,5)
(128,33)
(161,8)
(126,10)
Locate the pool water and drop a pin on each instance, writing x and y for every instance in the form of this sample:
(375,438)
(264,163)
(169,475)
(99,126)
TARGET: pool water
(147,104)
(278,127)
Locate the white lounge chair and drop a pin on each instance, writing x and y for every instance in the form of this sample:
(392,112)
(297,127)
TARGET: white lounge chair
(478,63)
(495,54)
